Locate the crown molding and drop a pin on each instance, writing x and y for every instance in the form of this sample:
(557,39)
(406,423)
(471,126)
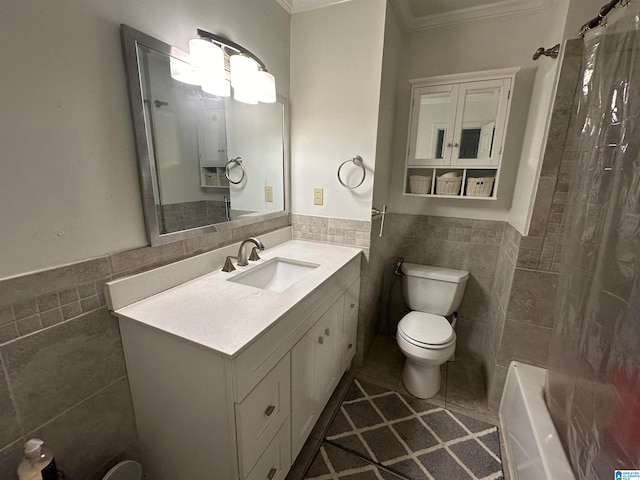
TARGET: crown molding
(497,9)
(287,5)
(298,6)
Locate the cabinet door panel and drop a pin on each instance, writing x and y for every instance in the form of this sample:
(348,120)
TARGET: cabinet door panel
(303,405)
(480,122)
(432,125)
(349,325)
(328,353)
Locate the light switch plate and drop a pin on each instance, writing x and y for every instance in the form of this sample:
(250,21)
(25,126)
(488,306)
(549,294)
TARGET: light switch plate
(268,193)
(318,194)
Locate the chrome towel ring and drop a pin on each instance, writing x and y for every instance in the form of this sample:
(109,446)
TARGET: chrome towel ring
(237,161)
(358,162)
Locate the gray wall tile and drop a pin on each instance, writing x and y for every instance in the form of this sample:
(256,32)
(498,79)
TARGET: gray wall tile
(93,432)
(56,368)
(146,257)
(524,342)
(11,429)
(10,457)
(29,286)
(542,206)
(533,296)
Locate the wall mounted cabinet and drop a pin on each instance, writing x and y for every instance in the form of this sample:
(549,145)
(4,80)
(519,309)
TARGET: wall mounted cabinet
(457,128)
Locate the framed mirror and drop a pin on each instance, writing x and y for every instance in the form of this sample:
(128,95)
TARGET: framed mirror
(206,163)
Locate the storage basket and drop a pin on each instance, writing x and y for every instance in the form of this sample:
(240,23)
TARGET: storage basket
(479,187)
(448,185)
(419,184)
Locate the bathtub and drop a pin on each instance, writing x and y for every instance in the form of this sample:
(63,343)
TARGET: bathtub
(532,445)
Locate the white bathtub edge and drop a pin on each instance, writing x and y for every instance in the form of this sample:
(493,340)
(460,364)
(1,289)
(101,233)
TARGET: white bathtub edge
(535,434)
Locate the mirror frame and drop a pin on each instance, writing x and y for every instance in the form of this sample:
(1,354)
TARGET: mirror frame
(130,39)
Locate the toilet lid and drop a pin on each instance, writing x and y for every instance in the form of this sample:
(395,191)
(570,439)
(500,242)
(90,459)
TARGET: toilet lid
(127,470)
(426,328)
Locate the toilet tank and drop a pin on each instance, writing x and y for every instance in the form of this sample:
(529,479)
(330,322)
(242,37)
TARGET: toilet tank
(433,289)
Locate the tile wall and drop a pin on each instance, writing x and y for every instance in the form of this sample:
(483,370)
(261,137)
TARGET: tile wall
(62,370)
(522,306)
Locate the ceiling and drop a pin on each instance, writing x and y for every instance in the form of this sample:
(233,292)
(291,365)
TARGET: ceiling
(422,14)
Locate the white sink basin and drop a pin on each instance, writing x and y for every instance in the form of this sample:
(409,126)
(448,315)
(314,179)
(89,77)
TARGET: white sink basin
(275,275)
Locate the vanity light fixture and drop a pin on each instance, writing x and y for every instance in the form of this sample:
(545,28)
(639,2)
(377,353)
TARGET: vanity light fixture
(217,64)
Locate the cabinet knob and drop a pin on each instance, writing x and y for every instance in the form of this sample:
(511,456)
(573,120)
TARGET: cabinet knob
(269,410)
(456,145)
(327,332)
(321,340)
(449,144)
(352,305)
(271,474)
(350,345)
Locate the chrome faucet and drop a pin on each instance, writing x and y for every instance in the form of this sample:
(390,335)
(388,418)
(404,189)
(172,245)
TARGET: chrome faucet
(243,259)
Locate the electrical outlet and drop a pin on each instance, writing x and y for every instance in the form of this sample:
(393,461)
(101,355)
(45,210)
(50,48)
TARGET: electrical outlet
(268,193)
(318,194)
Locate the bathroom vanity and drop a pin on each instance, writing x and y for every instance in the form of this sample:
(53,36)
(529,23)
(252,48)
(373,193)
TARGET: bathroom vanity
(228,379)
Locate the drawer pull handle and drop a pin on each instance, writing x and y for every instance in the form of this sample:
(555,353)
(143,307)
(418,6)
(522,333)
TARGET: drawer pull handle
(327,332)
(321,340)
(350,345)
(353,305)
(272,473)
(269,410)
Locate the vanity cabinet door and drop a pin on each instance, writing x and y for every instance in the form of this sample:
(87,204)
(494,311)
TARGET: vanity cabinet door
(349,325)
(315,372)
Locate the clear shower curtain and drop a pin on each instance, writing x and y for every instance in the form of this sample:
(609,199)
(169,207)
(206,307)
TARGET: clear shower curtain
(593,382)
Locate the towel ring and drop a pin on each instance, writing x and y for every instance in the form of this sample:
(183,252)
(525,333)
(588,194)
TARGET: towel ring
(237,161)
(358,162)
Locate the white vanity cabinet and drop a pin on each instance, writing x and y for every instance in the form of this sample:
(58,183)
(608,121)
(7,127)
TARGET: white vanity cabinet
(318,361)
(203,415)
(457,128)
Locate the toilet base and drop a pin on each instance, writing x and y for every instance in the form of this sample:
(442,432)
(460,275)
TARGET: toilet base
(420,380)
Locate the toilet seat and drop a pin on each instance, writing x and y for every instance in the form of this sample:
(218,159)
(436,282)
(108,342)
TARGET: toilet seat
(426,330)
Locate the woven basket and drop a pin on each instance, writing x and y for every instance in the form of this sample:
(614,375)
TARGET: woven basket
(419,184)
(479,187)
(448,185)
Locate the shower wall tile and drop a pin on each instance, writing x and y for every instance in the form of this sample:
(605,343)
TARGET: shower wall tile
(524,342)
(533,296)
(52,370)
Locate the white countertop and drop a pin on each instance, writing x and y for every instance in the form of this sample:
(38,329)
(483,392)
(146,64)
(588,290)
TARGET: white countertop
(227,316)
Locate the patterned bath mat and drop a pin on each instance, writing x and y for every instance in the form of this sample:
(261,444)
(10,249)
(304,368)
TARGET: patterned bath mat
(383,435)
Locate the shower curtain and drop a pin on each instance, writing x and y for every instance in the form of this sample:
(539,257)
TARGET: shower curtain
(593,382)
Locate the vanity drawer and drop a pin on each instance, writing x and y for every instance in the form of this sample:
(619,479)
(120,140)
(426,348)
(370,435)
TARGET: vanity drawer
(275,462)
(262,413)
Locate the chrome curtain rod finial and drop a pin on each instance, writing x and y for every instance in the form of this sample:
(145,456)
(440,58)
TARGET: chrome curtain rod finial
(549,52)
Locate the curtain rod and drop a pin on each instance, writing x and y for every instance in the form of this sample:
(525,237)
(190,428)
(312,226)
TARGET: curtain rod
(594,22)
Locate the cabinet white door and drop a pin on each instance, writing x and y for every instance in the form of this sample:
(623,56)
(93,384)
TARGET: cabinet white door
(349,329)
(315,372)
(480,122)
(433,114)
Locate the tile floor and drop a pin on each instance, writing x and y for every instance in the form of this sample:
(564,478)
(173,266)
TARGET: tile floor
(463,392)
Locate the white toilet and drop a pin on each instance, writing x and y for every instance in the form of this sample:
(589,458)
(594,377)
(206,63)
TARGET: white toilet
(126,470)
(424,335)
